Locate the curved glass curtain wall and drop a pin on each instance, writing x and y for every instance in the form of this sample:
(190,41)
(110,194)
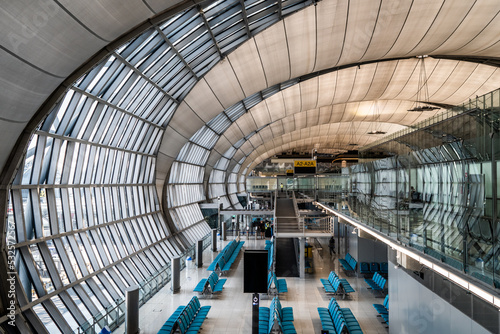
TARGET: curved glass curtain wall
(440,200)
(83,206)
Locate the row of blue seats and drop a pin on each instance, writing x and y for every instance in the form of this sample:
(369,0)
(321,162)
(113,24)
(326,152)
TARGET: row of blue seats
(336,285)
(336,319)
(349,263)
(226,257)
(283,316)
(383,309)
(210,285)
(377,282)
(275,285)
(187,319)
(371,268)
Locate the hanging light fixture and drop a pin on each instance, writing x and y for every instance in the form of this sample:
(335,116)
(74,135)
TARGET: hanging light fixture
(376,124)
(422,99)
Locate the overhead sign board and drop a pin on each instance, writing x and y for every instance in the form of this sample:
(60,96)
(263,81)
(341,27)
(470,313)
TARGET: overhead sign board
(289,172)
(304,166)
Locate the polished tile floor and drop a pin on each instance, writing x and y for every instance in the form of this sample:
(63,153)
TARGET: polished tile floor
(231,311)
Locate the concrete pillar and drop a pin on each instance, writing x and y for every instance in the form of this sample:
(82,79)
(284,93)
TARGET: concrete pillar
(199,253)
(214,240)
(302,250)
(175,265)
(223,231)
(132,310)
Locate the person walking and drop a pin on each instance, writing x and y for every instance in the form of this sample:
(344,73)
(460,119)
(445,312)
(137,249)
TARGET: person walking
(331,245)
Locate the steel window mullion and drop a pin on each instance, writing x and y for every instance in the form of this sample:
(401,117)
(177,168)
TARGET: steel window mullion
(36,212)
(54,313)
(121,130)
(139,273)
(65,210)
(78,255)
(54,157)
(80,157)
(32,271)
(144,51)
(86,300)
(98,206)
(113,122)
(49,265)
(68,157)
(108,241)
(123,273)
(89,206)
(97,291)
(90,168)
(148,80)
(101,160)
(38,159)
(132,236)
(72,308)
(138,233)
(89,251)
(125,238)
(118,242)
(148,262)
(98,242)
(108,286)
(65,260)
(109,75)
(64,121)
(52,211)
(116,280)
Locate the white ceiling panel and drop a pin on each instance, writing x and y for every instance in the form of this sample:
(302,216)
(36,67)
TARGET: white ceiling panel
(309,93)
(224,84)
(246,123)
(327,85)
(331,25)
(276,106)
(44,35)
(203,101)
(260,114)
(186,122)
(451,14)
(390,20)
(345,84)
(359,31)
(247,66)
(233,133)
(418,22)
(381,79)
(108,18)
(291,96)
(273,50)
(301,38)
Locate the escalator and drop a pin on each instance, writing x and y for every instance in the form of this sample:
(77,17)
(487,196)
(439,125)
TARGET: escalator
(286,258)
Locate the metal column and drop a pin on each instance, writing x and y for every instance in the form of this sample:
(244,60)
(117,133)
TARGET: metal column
(223,231)
(302,251)
(132,310)
(199,253)
(176,274)
(214,240)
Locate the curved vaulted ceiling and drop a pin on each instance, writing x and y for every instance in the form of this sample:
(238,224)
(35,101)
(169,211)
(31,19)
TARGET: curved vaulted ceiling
(339,34)
(119,117)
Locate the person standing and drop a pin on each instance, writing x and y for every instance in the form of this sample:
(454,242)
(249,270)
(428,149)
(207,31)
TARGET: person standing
(281,187)
(331,245)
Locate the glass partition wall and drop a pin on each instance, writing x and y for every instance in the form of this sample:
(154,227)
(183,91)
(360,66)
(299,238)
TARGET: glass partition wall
(441,199)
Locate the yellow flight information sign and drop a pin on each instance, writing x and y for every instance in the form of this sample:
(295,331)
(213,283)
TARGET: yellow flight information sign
(304,166)
(304,163)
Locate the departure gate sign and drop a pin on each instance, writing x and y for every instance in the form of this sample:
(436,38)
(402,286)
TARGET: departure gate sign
(304,166)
